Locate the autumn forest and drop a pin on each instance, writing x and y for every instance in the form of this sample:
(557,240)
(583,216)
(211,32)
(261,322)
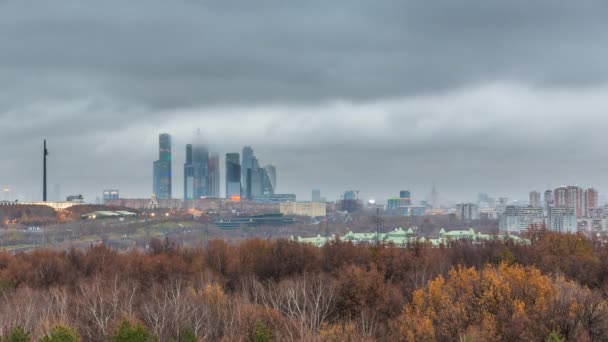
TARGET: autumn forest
(555,289)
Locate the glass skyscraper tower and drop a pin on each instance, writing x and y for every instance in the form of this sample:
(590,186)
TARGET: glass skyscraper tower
(233,175)
(269,183)
(246,169)
(213,177)
(162,168)
(188,174)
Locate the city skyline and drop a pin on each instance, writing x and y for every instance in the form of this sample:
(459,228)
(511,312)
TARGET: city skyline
(165,153)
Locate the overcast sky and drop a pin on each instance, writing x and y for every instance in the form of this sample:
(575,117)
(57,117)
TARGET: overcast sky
(501,97)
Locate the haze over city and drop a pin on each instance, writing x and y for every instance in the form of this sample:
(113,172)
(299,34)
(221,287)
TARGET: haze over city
(374,96)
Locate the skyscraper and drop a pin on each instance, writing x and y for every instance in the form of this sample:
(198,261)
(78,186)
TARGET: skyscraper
(255,179)
(200,165)
(213,177)
(233,175)
(162,168)
(246,166)
(188,174)
(570,197)
(269,181)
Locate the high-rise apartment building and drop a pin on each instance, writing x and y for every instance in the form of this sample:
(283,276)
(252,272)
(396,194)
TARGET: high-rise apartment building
(535,199)
(574,197)
(590,201)
(562,219)
(549,201)
(233,176)
(161,186)
(110,195)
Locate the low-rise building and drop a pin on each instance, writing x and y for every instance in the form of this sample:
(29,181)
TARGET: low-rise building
(312,209)
(404,238)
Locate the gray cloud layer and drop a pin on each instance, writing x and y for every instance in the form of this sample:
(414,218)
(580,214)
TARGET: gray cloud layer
(375,95)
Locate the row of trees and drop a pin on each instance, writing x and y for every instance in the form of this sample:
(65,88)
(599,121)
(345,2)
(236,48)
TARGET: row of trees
(280,290)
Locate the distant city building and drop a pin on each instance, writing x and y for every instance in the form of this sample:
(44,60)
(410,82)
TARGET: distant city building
(412,210)
(405,197)
(590,201)
(256,179)
(110,195)
(189,174)
(467,212)
(482,198)
(233,176)
(162,168)
(488,213)
(549,201)
(201,171)
(312,209)
(402,205)
(350,195)
(200,167)
(598,213)
(577,198)
(592,226)
(562,219)
(396,203)
(246,166)
(269,181)
(75,199)
(349,201)
(213,177)
(535,199)
(509,220)
(520,219)
(274,198)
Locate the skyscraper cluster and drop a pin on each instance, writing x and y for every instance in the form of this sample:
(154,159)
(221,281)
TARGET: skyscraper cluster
(244,178)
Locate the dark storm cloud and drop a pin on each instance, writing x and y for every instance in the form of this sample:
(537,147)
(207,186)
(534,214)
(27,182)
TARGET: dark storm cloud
(480,87)
(188,53)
